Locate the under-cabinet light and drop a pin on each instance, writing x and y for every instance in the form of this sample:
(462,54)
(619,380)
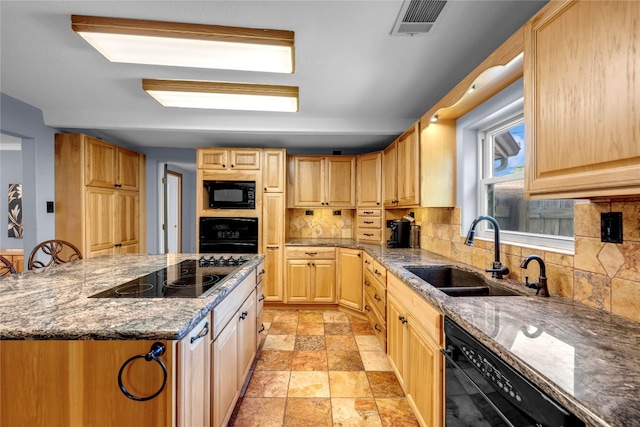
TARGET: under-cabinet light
(434,118)
(188,45)
(222,96)
(472,89)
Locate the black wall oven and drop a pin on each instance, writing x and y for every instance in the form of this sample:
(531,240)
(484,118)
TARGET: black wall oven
(483,391)
(228,235)
(231,194)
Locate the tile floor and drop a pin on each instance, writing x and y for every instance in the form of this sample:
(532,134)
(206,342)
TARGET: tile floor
(321,368)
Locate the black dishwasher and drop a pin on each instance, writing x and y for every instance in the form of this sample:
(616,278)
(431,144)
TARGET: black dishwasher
(482,390)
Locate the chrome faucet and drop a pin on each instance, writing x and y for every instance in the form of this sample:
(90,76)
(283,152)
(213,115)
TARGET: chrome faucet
(541,284)
(498,270)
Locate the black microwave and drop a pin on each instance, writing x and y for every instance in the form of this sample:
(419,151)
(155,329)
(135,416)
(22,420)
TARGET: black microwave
(231,194)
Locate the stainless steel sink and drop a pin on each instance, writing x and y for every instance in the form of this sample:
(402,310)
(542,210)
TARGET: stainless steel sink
(456,282)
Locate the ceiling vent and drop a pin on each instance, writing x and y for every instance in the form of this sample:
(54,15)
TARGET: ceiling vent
(417,17)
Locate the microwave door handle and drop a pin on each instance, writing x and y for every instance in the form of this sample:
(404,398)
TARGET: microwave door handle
(447,355)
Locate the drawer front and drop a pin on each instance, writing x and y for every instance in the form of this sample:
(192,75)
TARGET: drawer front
(260,274)
(376,293)
(224,311)
(260,296)
(420,310)
(380,272)
(367,261)
(311,252)
(369,222)
(378,325)
(369,234)
(369,212)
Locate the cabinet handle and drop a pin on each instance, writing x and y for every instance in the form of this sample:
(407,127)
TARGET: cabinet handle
(402,319)
(265,188)
(377,297)
(262,328)
(367,308)
(378,203)
(261,272)
(368,234)
(377,272)
(117,245)
(368,212)
(203,333)
(366,261)
(359,255)
(224,166)
(261,298)
(377,328)
(232,165)
(270,247)
(366,283)
(309,264)
(244,315)
(311,253)
(368,222)
(313,264)
(117,185)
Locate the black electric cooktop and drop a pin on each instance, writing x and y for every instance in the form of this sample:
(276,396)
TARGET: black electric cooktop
(188,279)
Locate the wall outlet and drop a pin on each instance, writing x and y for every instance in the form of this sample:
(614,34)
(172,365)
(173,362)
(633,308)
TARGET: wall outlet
(611,227)
(337,213)
(49,207)
(308,212)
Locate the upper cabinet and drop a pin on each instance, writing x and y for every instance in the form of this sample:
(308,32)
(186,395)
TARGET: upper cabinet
(370,180)
(229,158)
(273,170)
(401,165)
(110,166)
(438,163)
(322,181)
(582,116)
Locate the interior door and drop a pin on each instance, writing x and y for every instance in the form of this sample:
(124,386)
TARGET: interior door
(174,212)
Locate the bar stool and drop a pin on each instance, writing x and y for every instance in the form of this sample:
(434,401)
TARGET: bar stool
(6,267)
(55,252)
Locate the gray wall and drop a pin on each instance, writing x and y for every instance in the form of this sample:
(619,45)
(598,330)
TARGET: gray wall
(26,122)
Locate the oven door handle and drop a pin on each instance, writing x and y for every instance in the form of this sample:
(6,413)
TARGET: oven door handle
(447,355)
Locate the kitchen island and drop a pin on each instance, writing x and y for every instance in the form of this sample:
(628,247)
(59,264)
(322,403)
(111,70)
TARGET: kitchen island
(67,359)
(586,359)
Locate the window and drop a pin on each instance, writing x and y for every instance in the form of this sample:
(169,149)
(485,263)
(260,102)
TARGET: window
(501,148)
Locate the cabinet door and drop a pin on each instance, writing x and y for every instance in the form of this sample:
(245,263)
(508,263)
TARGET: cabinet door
(308,181)
(194,385)
(582,117)
(298,280)
(273,234)
(424,377)
(226,365)
(212,158)
(396,338)
(244,159)
(408,169)
(389,168)
(369,180)
(340,185)
(100,222)
(246,336)
(127,230)
(324,281)
(350,293)
(128,169)
(438,164)
(100,167)
(273,170)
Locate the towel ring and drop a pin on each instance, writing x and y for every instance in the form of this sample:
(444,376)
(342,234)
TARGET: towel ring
(157,349)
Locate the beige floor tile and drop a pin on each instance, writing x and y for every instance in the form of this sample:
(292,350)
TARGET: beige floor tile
(309,343)
(310,316)
(310,328)
(279,342)
(344,361)
(308,412)
(396,413)
(355,412)
(368,343)
(286,316)
(362,329)
(341,342)
(384,384)
(309,384)
(349,384)
(268,384)
(337,328)
(375,361)
(274,360)
(283,328)
(309,361)
(332,316)
(261,412)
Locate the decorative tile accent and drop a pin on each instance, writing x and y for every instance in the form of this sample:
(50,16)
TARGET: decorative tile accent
(611,259)
(322,224)
(586,257)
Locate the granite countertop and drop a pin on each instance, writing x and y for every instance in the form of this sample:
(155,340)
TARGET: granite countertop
(586,359)
(53,303)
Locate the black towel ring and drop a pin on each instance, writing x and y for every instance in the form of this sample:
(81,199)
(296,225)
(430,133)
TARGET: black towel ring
(157,349)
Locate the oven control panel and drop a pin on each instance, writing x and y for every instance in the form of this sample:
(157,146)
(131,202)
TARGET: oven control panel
(491,373)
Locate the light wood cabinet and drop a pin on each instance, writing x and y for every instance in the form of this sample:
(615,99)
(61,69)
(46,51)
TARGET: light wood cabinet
(390,175)
(233,348)
(274,170)
(401,169)
(369,167)
(415,338)
(322,181)
(98,203)
(229,158)
(350,293)
(370,223)
(438,164)
(582,117)
(375,297)
(311,275)
(15,257)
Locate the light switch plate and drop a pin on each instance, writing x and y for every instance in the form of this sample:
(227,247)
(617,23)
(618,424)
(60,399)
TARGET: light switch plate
(611,227)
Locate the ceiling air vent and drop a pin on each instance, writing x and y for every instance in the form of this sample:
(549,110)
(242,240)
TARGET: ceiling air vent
(417,17)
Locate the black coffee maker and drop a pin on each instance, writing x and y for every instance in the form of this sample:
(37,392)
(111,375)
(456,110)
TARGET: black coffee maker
(400,233)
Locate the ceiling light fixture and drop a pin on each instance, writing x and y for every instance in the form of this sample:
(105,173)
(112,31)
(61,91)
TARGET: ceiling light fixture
(222,96)
(188,45)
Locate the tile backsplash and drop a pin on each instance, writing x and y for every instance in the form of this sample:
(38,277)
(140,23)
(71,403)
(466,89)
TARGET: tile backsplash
(601,275)
(323,224)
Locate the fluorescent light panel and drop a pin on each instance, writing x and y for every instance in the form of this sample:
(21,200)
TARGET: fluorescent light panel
(188,45)
(223,96)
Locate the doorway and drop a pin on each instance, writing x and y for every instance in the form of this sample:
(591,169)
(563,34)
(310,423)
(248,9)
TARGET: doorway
(173,223)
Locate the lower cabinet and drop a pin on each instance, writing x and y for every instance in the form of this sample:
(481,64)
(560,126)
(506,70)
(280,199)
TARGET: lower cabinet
(414,341)
(350,293)
(233,348)
(311,275)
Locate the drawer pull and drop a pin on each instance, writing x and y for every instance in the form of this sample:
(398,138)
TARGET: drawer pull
(366,261)
(368,212)
(377,272)
(261,272)
(366,283)
(244,315)
(262,328)
(367,308)
(261,298)
(377,297)
(203,332)
(368,222)
(311,253)
(402,319)
(368,234)
(377,328)
(272,246)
